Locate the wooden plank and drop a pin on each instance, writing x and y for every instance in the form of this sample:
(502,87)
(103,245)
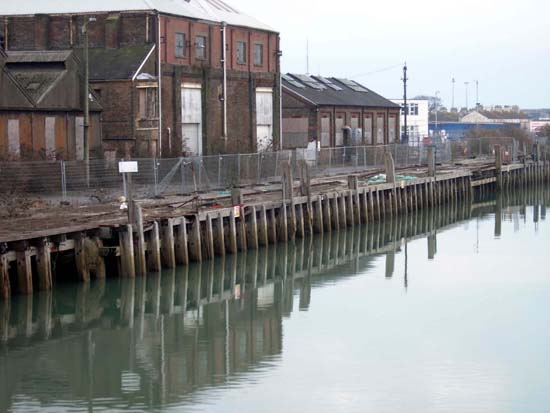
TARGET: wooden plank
(44,265)
(252,229)
(127,259)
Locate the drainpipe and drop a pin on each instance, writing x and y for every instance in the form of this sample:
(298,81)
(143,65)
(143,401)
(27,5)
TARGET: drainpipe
(224,65)
(279,55)
(159,69)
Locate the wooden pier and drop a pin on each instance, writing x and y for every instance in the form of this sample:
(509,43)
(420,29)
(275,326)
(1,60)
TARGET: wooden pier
(165,236)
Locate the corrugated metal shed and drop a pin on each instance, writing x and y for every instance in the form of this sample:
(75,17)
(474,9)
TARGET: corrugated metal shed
(329,96)
(210,10)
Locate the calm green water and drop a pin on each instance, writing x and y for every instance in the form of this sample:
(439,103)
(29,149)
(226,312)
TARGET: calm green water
(446,311)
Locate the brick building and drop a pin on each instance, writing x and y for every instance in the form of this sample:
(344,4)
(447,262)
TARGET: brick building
(335,112)
(41,107)
(210,101)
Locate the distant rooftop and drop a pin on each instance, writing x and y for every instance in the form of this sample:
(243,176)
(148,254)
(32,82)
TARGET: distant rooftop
(210,10)
(334,91)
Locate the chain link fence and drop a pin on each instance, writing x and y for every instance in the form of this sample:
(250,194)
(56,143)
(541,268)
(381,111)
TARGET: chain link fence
(98,181)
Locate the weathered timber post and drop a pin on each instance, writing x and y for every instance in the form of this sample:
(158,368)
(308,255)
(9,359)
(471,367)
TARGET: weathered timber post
(390,167)
(141,261)
(24,271)
(287,181)
(182,253)
(155,263)
(305,181)
(498,166)
(219,239)
(209,237)
(195,243)
(127,263)
(431,162)
(44,265)
(264,237)
(232,245)
(168,244)
(81,258)
(5,288)
(318,216)
(252,229)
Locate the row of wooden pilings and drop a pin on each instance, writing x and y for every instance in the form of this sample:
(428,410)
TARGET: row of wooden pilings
(138,248)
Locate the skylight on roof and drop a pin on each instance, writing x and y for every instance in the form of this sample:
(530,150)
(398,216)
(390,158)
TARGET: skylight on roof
(328,83)
(353,85)
(293,82)
(309,81)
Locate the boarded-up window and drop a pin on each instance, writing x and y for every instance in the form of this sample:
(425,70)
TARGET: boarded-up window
(241,53)
(325,130)
(14,146)
(295,132)
(339,130)
(380,129)
(50,138)
(368,130)
(79,135)
(148,102)
(391,129)
(180,46)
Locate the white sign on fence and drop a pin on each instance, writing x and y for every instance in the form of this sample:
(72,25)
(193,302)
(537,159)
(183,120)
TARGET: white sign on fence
(126,167)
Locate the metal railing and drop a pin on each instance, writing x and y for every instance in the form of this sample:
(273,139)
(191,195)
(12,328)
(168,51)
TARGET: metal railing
(99,181)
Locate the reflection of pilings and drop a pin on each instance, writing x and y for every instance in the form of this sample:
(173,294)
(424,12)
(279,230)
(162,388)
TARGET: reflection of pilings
(498,216)
(193,286)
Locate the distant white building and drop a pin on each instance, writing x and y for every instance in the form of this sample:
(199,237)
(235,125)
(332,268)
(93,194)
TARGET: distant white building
(417,119)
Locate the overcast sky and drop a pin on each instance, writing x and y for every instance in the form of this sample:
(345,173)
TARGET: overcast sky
(503,44)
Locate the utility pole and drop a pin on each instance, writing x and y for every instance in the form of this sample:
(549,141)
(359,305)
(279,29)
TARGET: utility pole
(85,96)
(466,85)
(477,94)
(453,81)
(405,107)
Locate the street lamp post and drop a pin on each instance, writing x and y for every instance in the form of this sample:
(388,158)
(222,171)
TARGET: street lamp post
(436,109)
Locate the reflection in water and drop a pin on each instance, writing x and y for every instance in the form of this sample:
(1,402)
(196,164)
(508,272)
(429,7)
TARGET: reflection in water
(156,341)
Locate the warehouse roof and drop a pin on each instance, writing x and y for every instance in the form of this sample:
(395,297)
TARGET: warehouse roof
(332,91)
(210,10)
(117,64)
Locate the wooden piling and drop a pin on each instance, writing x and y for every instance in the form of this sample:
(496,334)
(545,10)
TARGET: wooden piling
(153,247)
(252,228)
(168,244)
(5,287)
(140,254)
(232,244)
(209,238)
(181,251)
(318,225)
(43,265)
(219,238)
(264,235)
(195,241)
(81,259)
(126,248)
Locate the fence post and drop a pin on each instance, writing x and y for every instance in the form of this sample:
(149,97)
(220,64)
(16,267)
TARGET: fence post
(220,159)
(63,181)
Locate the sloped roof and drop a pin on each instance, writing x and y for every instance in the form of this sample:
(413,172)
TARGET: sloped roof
(341,95)
(40,56)
(503,115)
(116,64)
(210,10)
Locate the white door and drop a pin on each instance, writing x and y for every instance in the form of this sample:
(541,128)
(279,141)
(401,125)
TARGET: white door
(191,135)
(264,118)
(191,118)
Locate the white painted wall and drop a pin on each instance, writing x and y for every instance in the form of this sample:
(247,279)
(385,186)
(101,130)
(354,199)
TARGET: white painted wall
(264,118)
(418,124)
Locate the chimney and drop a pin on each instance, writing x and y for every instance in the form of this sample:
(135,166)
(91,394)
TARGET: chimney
(112,25)
(41,31)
